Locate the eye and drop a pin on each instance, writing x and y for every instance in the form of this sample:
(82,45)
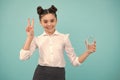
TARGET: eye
(52,20)
(45,21)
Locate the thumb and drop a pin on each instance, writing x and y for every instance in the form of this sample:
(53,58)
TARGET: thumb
(86,43)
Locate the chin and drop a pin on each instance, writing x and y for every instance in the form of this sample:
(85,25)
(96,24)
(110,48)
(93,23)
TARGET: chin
(51,30)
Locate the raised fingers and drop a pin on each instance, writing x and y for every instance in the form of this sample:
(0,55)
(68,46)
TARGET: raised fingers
(29,22)
(32,23)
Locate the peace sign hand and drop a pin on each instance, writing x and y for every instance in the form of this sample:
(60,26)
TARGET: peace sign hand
(30,28)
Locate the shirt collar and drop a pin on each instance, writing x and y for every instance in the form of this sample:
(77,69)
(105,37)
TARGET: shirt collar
(55,33)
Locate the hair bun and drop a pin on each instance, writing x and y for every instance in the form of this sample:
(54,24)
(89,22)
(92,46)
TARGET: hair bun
(53,8)
(39,10)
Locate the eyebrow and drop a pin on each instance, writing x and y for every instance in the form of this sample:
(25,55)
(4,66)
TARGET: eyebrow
(47,20)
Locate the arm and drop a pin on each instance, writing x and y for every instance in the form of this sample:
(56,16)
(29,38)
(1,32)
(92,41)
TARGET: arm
(25,52)
(30,35)
(71,54)
(27,43)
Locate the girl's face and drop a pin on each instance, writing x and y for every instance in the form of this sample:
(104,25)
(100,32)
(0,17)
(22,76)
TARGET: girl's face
(48,22)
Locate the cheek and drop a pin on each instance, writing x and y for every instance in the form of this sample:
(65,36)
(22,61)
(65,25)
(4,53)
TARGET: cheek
(55,22)
(43,25)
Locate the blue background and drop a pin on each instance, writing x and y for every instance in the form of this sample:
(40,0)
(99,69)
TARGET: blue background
(79,18)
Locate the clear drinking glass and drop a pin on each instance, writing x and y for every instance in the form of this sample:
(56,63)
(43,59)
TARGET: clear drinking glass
(90,40)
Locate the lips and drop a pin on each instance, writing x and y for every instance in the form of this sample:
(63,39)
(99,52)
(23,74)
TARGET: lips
(50,27)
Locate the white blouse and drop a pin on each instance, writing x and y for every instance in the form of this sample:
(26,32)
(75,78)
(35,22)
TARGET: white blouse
(51,50)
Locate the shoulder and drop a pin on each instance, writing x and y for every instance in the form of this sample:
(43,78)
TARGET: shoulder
(36,38)
(39,36)
(65,36)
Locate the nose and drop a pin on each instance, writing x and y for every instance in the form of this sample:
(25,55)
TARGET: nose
(49,23)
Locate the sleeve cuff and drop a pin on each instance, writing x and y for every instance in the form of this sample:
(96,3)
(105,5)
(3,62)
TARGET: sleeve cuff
(24,51)
(24,54)
(77,62)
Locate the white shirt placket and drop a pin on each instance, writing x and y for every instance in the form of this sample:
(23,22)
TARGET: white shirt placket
(51,49)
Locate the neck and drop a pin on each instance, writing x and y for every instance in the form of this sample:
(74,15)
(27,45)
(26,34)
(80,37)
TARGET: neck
(50,33)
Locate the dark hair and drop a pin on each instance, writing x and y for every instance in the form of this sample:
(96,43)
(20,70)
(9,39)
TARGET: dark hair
(42,11)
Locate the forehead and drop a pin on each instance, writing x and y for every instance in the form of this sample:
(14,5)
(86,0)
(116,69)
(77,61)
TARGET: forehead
(48,17)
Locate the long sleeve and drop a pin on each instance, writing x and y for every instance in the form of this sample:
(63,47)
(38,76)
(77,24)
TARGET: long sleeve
(25,54)
(70,52)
